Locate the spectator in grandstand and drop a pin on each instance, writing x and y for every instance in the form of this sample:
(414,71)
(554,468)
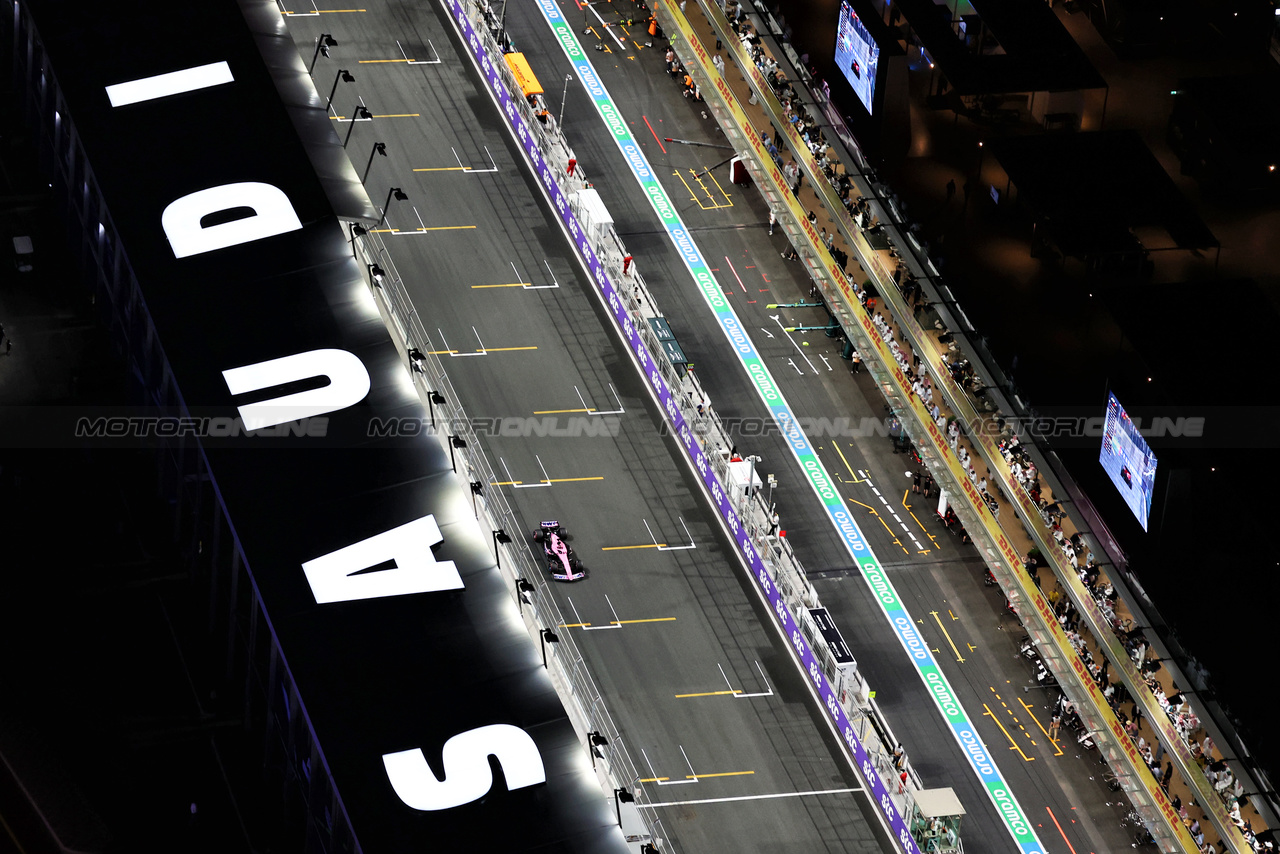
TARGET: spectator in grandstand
(789,172)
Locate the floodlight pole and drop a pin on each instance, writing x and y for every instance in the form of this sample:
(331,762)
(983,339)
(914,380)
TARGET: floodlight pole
(563,97)
(400,197)
(342,73)
(357,230)
(360,112)
(378,148)
(324,41)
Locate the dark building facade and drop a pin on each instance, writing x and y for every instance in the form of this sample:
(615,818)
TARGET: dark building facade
(368,633)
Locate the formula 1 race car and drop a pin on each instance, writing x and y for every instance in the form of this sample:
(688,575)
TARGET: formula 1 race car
(562,562)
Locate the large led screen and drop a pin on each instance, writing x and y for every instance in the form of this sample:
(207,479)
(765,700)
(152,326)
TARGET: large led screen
(1129,461)
(857,55)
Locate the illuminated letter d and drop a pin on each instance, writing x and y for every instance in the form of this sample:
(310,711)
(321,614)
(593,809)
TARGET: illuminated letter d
(269,213)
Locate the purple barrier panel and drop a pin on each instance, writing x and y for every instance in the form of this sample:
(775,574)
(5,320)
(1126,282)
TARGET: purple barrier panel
(666,399)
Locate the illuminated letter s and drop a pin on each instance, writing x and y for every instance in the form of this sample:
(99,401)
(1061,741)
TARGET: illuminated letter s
(271,213)
(416,570)
(348,384)
(467,775)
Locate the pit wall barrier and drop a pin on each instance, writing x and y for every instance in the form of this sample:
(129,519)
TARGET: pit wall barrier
(776,551)
(677,402)
(829,277)
(1155,804)
(583,701)
(1018,825)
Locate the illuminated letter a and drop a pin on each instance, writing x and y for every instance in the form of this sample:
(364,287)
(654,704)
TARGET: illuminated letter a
(416,571)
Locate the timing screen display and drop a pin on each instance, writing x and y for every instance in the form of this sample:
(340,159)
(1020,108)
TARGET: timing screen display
(1128,460)
(857,55)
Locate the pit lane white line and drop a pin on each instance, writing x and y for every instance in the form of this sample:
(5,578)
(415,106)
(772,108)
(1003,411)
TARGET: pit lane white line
(737,694)
(435,61)
(777,320)
(619,411)
(756,797)
(605,26)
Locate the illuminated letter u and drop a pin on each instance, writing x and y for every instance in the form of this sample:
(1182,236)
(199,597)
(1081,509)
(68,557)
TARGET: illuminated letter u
(348,384)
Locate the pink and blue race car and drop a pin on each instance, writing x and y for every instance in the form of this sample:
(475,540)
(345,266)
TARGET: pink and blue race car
(562,562)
